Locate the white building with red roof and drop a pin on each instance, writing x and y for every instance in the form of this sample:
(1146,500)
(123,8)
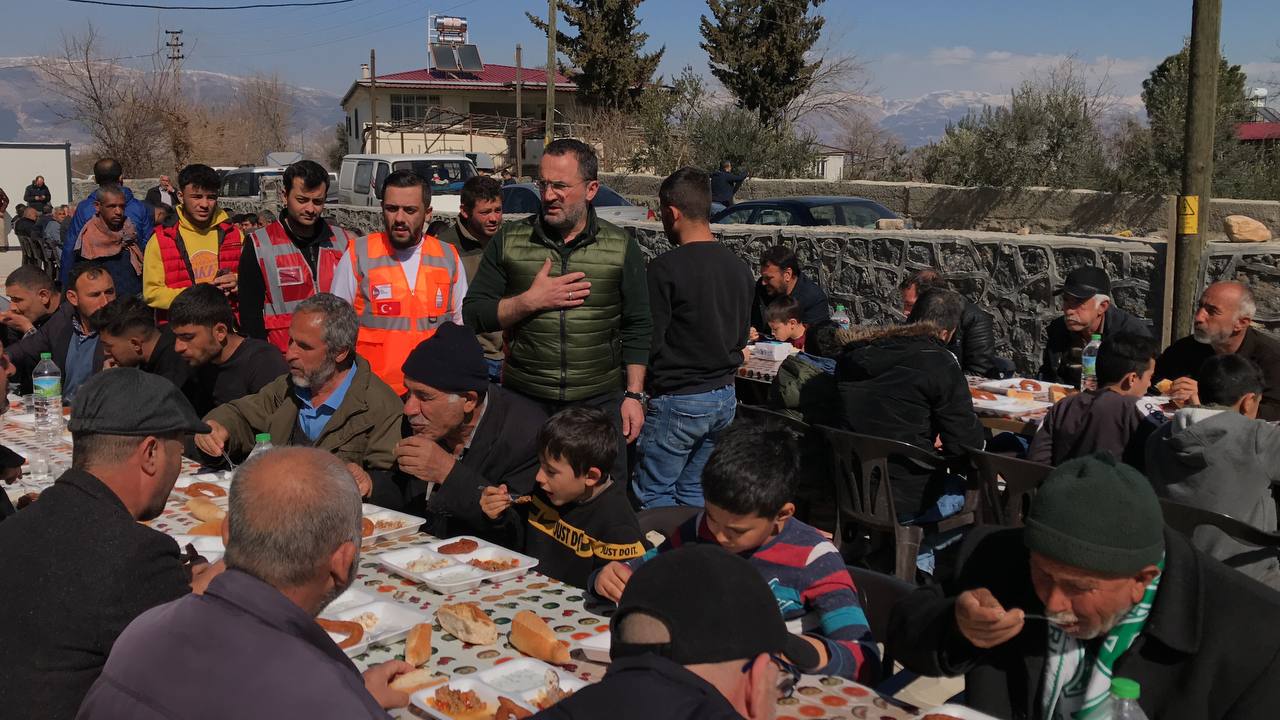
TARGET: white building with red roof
(437,111)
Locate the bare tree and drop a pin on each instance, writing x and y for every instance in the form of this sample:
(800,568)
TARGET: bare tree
(872,153)
(243,131)
(129,113)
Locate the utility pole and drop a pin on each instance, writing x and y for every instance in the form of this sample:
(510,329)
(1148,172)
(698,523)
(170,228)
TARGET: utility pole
(174,43)
(551,72)
(519,112)
(1197,168)
(373,98)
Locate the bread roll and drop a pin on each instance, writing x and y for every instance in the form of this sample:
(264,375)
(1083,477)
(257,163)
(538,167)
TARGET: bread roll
(211,529)
(415,680)
(417,647)
(467,622)
(533,637)
(205,510)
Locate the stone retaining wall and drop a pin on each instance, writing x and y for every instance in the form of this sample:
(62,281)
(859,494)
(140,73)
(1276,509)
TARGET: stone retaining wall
(1011,276)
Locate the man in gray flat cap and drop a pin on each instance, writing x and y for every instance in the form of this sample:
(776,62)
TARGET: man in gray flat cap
(1125,597)
(77,565)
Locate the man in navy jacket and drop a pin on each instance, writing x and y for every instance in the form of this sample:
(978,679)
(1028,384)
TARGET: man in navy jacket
(106,171)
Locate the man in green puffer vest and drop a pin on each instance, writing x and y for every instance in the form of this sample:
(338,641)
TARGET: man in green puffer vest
(569,291)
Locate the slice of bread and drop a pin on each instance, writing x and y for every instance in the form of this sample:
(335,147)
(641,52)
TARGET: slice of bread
(533,637)
(467,622)
(412,682)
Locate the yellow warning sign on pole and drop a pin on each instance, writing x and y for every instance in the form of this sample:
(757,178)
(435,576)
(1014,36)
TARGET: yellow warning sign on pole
(1188,214)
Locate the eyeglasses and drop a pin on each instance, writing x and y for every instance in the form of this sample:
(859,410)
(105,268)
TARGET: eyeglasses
(788,674)
(558,188)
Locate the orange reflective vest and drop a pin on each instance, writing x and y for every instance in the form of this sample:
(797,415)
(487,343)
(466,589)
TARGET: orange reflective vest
(288,279)
(393,319)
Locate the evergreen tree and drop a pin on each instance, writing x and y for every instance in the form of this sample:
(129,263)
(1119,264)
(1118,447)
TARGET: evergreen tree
(758,49)
(606,56)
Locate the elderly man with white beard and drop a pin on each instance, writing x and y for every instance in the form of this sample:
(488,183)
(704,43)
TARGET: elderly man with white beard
(466,434)
(1223,326)
(1039,619)
(329,399)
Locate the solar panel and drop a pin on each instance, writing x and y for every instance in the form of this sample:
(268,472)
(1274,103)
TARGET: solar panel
(469,58)
(443,57)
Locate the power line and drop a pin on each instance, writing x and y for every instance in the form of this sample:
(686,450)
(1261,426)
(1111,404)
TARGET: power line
(148,6)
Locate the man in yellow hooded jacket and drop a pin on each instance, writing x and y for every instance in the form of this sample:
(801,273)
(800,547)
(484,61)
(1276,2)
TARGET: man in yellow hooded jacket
(201,247)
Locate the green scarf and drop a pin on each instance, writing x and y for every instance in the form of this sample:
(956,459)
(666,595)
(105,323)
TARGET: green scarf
(1075,684)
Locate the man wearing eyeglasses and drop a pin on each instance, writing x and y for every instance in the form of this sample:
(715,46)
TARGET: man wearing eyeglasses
(569,291)
(717,649)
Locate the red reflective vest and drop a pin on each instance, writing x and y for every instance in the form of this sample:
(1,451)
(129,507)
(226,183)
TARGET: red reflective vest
(394,319)
(178,272)
(287,277)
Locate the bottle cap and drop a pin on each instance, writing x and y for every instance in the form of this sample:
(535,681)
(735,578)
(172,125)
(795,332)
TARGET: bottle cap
(262,438)
(46,356)
(1125,689)
(1096,336)
(839,308)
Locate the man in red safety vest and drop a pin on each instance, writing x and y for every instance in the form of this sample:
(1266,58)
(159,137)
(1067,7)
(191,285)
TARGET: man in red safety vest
(403,283)
(201,247)
(291,259)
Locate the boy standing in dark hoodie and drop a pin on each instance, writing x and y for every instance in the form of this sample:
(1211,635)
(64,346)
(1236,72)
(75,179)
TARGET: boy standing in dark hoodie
(577,519)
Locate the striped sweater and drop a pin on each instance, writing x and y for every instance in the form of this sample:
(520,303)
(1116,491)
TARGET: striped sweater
(814,590)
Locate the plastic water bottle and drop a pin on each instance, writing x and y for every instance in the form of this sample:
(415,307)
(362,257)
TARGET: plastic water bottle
(47,382)
(261,444)
(841,317)
(1089,364)
(1122,703)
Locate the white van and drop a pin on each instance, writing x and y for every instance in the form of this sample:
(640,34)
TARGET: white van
(361,177)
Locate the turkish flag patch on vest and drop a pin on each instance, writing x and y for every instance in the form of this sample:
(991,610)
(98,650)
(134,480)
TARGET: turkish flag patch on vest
(386,307)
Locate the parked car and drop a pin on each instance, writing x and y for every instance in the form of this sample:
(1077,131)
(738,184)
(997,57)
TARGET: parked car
(807,211)
(246,181)
(525,198)
(361,177)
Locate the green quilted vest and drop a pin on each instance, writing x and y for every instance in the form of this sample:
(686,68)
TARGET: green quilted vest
(569,354)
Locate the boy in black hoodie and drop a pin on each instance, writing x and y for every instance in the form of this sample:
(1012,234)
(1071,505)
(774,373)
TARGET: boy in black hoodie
(577,519)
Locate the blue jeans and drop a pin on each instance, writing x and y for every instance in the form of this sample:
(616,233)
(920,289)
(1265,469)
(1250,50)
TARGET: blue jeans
(495,370)
(678,436)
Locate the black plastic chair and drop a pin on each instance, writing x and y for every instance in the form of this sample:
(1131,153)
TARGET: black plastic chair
(773,419)
(665,520)
(1006,506)
(1186,518)
(864,493)
(815,488)
(879,593)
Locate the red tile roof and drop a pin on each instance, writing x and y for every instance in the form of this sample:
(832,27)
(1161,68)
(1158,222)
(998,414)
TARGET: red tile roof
(1258,131)
(493,77)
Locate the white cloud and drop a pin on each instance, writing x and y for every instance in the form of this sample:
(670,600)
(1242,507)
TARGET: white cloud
(958,55)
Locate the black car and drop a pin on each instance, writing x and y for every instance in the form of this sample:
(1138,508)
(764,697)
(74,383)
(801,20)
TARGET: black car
(807,211)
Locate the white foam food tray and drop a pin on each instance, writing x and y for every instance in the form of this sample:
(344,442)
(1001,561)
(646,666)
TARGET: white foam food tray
(210,547)
(448,574)
(405,524)
(394,621)
(523,681)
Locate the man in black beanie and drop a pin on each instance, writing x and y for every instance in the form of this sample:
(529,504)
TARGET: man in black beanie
(1041,618)
(465,434)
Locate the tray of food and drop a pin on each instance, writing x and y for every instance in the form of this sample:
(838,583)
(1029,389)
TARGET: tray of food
(456,564)
(351,598)
(988,401)
(1028,389)
(514,689)
(356,628)
(380,523)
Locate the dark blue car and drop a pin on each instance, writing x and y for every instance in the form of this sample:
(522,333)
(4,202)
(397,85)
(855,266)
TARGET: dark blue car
(807,211)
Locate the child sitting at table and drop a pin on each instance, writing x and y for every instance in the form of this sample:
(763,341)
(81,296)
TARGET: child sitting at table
(747,485)
(783,317)
(577,519)
(1107,418)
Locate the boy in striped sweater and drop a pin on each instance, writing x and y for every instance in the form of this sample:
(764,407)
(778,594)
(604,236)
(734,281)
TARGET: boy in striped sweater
(747,487)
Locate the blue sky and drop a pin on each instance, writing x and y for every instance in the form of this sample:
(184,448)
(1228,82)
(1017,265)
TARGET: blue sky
(909,48)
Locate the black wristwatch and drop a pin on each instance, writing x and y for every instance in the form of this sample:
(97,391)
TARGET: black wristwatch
(639,397)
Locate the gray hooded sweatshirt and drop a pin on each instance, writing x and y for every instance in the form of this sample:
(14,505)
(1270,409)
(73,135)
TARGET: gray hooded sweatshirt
(1222,461)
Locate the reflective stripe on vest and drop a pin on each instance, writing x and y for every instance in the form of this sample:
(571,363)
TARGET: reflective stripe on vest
(394,319)
(287,278)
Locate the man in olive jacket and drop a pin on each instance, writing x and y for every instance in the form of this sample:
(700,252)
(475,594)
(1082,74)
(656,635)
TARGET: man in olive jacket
(569,291)
(1128,597)
(329,399)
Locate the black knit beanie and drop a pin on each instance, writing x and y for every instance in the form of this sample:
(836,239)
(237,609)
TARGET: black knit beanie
(451,361)
(1098,514)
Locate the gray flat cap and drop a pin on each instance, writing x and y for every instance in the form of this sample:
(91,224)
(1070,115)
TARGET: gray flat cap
(128,401)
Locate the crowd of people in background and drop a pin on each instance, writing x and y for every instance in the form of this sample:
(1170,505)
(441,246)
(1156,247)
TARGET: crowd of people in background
(538,383)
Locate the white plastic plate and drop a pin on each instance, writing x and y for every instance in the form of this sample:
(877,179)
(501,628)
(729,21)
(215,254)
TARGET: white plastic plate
(409,524)
(394,621)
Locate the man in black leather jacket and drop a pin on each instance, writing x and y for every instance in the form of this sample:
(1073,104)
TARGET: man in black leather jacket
(974,342)
(1086,309)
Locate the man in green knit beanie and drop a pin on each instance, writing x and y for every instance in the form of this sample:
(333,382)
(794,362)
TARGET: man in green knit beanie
(1041,618)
